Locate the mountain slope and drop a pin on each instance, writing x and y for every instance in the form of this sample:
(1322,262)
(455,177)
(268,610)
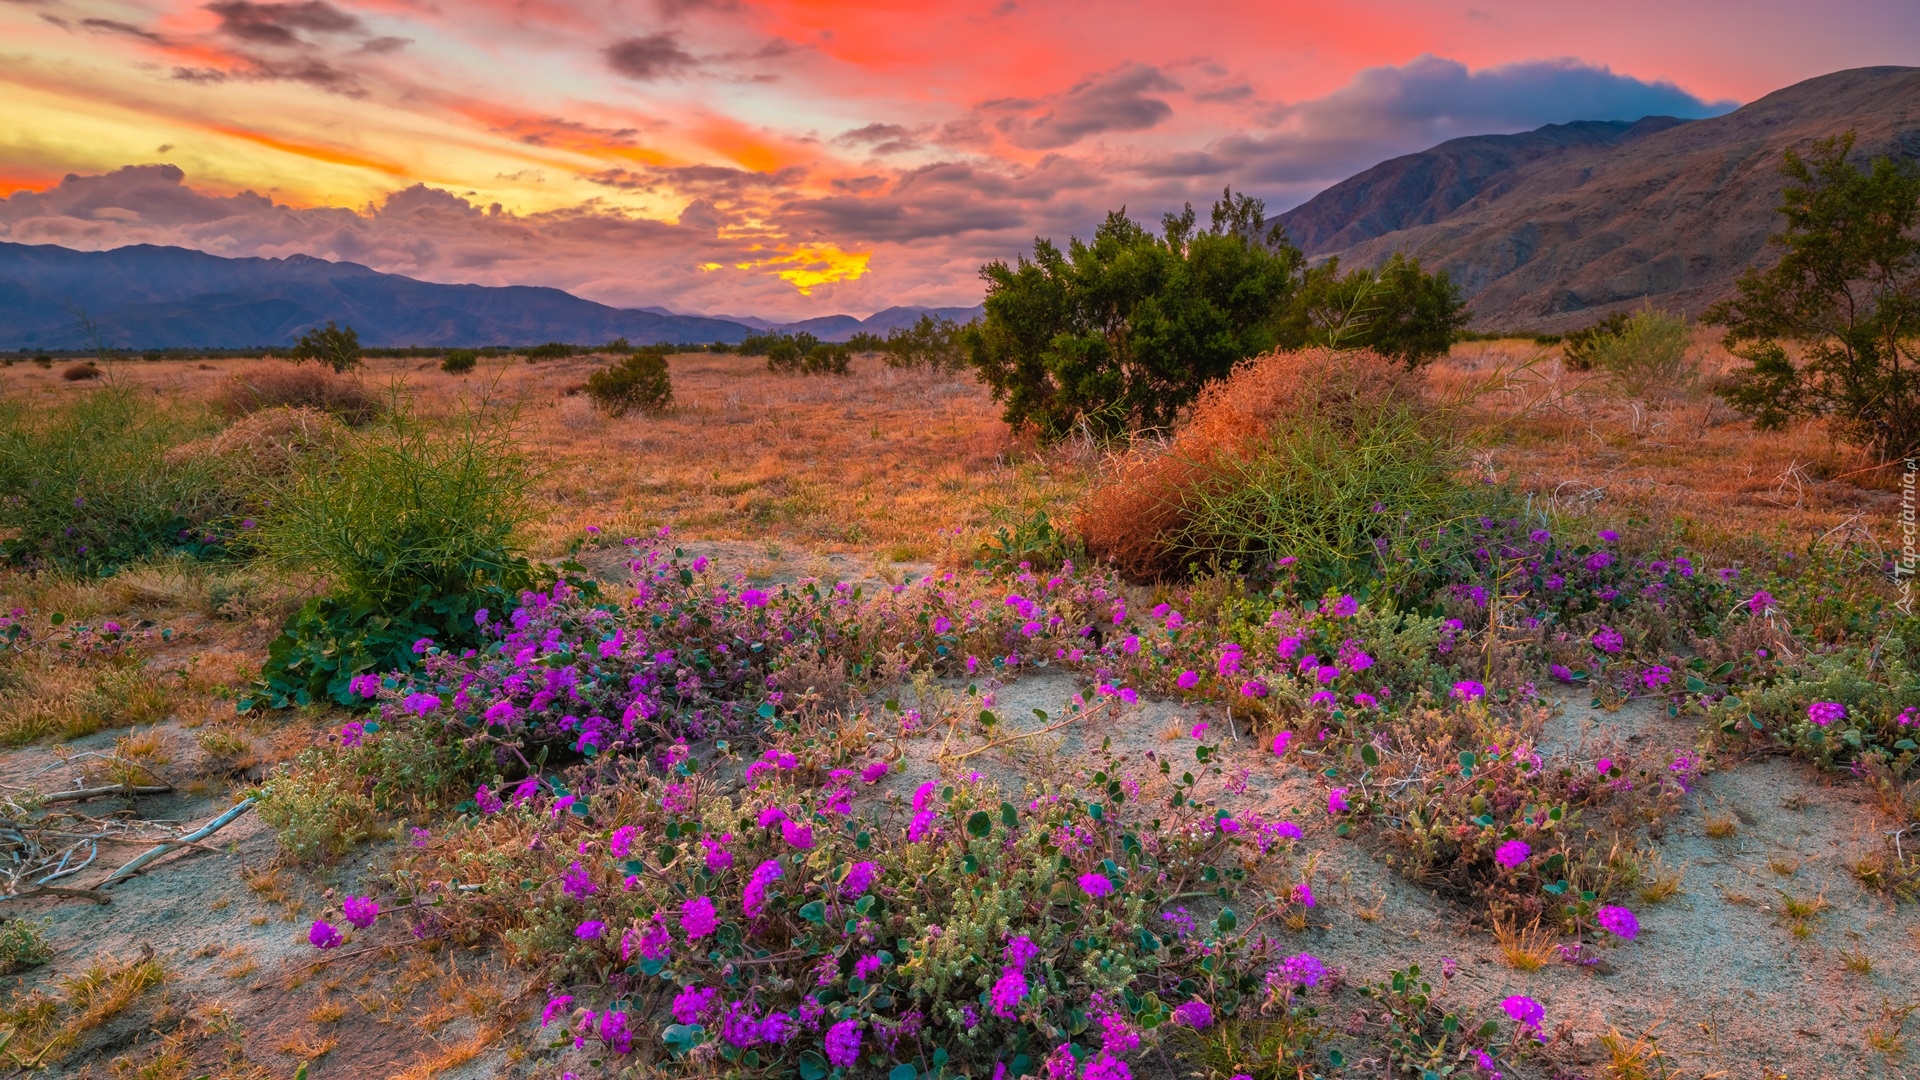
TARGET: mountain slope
(1672,216)
(166,297)
(1417,189)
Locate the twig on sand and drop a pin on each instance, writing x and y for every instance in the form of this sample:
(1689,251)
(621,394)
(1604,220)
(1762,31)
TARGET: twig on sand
(165,846)
(78,794)
(1055,726)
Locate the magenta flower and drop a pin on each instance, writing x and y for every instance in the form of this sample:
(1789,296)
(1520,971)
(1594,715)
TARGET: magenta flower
(921,826)
(690,1004)
(577,882)
(1007,992)
(352,733)
(1760,602)
(1608,640)
(842,1044)
(1346,607)
(324,936)
(860,877)
(1304,969)
(753,900)
(797,835)
(1303,894)
(1618,921)
(1187,680)
(1280,742)
(1468,689)
(554,1008)
(697,918)
(500,712)
(590,929)
(361,911)
(1337,801)
(1656,676)
(1826,712)
(1512,853)
(1096,885)
(1525,1011)
(620,844)
(1194,1014)
(1603,766)
(753,598)
(874,772)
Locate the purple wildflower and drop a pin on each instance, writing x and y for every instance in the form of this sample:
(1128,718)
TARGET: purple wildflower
(1095,885)
(324,936)
(361,911)
(697,918)
(1512,853)
(1826,712)
(1618,921)
(1194,1014)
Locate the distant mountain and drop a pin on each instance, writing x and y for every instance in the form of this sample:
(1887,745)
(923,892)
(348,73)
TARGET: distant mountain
(167,297)
(842,327)
(1556,227)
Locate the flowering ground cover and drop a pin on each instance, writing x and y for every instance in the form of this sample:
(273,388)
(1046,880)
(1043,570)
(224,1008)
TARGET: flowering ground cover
(1600,804)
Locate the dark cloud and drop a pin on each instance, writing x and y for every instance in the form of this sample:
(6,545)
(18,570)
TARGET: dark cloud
(881,138)
(646,58)
(275,24)
(950,199)
(1113,101)
(713,182)
(381,46)
(114,26)
(673,9)
(311,70)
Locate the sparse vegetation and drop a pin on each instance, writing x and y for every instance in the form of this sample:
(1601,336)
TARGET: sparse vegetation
(638,383)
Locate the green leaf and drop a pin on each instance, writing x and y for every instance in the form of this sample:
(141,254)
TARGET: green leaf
(815,912)
(1009,816)
(903,1072)
(1336,1059)
(1226,921)
(979,823)
(1369,755)
(681,1038)
(765,710)
(1696,684)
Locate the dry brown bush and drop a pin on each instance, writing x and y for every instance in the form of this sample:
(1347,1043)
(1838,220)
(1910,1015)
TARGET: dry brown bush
(266,444)
(1131,519)
(307,386)
(80,372)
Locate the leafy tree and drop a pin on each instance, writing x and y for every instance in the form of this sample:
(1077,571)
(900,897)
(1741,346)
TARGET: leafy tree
(1121,333)
(338,347)
(866,341)
(1846,291)
(1399,310)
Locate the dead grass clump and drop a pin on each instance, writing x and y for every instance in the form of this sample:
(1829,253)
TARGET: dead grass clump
(267,444)
(1527,948)
(1136,519)
(80,372)
(300,386)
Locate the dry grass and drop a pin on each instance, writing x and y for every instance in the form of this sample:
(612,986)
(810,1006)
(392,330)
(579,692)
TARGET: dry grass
(1686,458)
(46,1028)
(1524,949)
(279,384)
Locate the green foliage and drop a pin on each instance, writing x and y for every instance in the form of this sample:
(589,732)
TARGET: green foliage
(1371,497)
(1398,310)
(552,350)
(459,361)
(414,528)
(799,354)
(329,799)
(931,342)
(1846,291)
(1579,345)
(1646,354)
(1034,543)
(1121,333)
(638,382)
(23,944)
(338,347)
(88,485)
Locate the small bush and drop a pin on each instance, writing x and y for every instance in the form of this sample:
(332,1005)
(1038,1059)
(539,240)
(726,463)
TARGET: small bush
(81,372)
(1647,355)
(1577,347)
(639,382)
(89,486)
(335,346)
(459,361)
(43,360)
(931,342)
(415,528)
(284,385)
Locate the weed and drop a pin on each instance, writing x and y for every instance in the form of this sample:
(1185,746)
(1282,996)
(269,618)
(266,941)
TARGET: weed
(23,944)
(47,1028)
(1887,1034)
(1647,355)
(1799,912)
(1721,826)
(1856,961)
(1637,1059)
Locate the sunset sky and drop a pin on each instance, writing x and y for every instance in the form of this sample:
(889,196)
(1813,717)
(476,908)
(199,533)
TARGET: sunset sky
(790,159)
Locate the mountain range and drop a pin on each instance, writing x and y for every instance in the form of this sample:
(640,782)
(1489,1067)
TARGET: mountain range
(1556,227)
(1546,230)
(150,297)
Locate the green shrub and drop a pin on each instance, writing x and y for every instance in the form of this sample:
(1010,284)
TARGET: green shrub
(23,944)
(1648,354)
(1577,348)
(459,361)
(638,382)
(89,485)
(338,347)
(552,350)
(1399,310)
(932,343)
(1369,495)
(414,527)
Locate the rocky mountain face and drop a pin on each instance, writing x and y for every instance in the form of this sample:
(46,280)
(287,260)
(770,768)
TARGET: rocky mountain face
(1554,228)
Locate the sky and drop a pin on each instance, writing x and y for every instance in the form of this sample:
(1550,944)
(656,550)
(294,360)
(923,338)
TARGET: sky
(794,158)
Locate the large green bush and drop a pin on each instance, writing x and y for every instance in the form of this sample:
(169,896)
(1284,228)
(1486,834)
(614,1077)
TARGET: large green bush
(1647,354)
(89,485)
(414,528)
(1122,333)
(638,382)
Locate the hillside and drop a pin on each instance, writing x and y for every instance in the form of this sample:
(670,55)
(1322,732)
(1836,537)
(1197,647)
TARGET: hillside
(1550,236)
